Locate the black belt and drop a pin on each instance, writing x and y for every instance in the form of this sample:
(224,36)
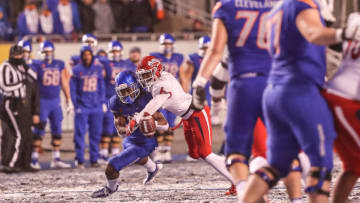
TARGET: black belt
(187,111)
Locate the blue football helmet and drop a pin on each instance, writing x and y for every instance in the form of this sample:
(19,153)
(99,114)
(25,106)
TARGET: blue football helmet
(115,50)
(47,49)
(27,48)
(90,40)
(167,42)
(127,87)
(203,44)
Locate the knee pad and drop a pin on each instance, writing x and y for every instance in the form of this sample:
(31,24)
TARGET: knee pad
(105,138)
(321,175)
(169,136)
(56,142)
(257,163)
(115,140)
(230,162)
(270,181)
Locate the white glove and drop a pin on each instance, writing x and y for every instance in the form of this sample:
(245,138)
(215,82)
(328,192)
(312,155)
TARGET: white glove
(104,108)
(69,107)
(198,95)
(352,29)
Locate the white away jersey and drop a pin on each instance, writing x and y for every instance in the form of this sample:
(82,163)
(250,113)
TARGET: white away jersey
(346,82)
(178,101)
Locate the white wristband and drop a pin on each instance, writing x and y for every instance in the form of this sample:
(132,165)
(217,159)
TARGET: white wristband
(338,35)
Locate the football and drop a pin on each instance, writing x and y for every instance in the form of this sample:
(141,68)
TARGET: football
(147,125)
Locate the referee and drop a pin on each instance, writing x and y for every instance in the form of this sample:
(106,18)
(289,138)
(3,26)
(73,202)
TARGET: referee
(19,110)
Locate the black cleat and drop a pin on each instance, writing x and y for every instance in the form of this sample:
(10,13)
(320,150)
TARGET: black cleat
(104,192)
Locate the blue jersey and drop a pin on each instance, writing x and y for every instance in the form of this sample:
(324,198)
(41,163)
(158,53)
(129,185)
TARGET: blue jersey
(171,65)
(245,23)
(129,110)
(49,77)
(87,86)
(295,60)
(131,64)
(112,69)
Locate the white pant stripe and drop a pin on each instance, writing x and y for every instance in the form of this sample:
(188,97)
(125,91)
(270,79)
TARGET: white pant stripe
(17,131)
(208,125)
(340,115)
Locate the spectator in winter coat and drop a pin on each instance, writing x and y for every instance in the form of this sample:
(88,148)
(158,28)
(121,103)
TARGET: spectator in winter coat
(104,19)
(28,20)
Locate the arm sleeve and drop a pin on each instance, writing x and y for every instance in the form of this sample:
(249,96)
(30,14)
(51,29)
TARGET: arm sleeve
(300,5)
(220,12)
(154,105)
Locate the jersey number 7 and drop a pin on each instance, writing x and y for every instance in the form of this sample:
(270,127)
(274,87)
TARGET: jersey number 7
(250,19)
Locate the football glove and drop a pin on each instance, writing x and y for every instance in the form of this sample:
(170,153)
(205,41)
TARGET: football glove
(198,95)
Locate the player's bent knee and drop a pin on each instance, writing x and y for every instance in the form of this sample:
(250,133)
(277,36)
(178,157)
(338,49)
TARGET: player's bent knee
(111,172)
(269,175)
(319,182)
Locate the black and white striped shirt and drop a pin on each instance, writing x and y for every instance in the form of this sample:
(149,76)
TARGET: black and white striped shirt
(12,80)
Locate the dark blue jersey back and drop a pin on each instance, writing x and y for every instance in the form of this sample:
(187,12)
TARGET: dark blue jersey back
(295,60)
(129,110)
(195,59)
(171,65)
(49,77)
(113,68)
(245,23)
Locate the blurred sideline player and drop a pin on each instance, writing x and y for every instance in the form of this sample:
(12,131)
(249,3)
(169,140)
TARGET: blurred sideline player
(27,47)
(242,28)
(129,100)
(342,95)
(297,116)
(87,40)
(168,93)
(113,66)
(87,90)
(52,77)
(171,62)
(134,57)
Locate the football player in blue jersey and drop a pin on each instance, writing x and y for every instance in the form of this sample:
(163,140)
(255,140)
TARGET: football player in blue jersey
(129,100)
(191,67)
(51,78)
(297,116)
(87,91)
(87,40)
(113,66)
(27,47)
(241,26)
(172,62)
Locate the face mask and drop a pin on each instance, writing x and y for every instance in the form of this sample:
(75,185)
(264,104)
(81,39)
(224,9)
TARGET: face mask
(16,62)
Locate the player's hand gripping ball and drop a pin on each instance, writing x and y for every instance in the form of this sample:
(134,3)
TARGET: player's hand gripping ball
(147,125)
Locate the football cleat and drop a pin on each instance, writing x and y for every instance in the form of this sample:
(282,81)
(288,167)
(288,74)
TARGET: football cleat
(167,157)
(103,192)
(57,163)
(151,175)
(157,156)
(35,165)
(95,164)
(231,191)
(79,165)
(190,159)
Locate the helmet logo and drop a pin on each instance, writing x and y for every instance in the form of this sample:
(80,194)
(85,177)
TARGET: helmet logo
(153,62)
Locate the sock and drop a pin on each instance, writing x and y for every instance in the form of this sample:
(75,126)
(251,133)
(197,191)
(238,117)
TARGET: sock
(35,156)
(56,154)
(150,165)
(241,186)
(115,151)
(104,153)
(112,184)
(297,200)
(218,162)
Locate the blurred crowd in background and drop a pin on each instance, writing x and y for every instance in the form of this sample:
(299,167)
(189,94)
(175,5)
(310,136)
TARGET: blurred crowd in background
(72,17)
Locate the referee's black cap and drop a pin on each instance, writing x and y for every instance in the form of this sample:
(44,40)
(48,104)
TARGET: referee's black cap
(16,50)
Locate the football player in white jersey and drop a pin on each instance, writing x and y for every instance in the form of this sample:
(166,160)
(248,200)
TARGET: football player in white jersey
(168,93)
(343,97)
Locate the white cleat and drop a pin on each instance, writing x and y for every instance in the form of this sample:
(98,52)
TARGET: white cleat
(167,158)
(57,163)
(35,165)
(190,159)
(151,175)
